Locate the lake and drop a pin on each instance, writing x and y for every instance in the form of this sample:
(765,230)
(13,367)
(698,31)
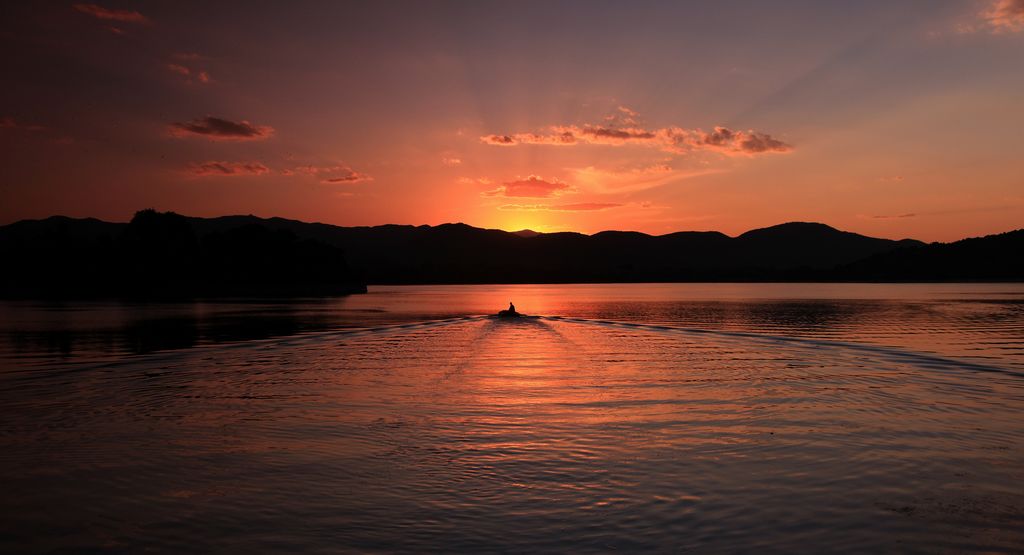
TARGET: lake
(629,417)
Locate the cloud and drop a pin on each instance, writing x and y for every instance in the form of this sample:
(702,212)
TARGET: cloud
(472,181)
(1000,16)
(451,162)
(609,135)
(498,140)
(7,122)
(337,174)
(555,138)
(623,117)
(894,216)
(627,113)
(1005,16)
(531,187)
(189,73)
(623,129)
(47,133)
(219,129)
(577,207)
(347,176)
(749,142)
(891,178)
(221,169)
(1011,203)
(633,179)
(107,14)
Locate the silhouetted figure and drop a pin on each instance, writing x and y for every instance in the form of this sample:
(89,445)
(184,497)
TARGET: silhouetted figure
(510,312)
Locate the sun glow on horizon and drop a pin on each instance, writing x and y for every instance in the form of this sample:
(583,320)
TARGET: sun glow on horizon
(445,121)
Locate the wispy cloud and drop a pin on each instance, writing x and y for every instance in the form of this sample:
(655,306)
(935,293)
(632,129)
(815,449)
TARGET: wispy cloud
(451,161)
(335,174)
(577,207)
(998,17)
(625,115)
(220,129)
(49,134)
(893,216)
(1005,16)
(227,169)
(628,180)
(475,181)
(348,176)
(532,187)
(620,130)
(553,138)
(1010,204)
(190,74)
(8,122)
(108,14)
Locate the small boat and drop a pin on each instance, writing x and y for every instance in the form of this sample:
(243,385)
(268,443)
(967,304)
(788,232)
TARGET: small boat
(510,312)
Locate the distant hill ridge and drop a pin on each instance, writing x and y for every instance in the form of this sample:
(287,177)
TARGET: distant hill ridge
(163,256)
(459,253)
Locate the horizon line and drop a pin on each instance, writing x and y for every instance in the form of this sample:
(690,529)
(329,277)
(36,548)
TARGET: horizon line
(511,232)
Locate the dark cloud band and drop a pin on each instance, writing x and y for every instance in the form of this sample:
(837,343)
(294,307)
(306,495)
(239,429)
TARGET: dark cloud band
(220,129)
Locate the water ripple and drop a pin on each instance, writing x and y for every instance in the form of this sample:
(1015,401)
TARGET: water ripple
(555,434)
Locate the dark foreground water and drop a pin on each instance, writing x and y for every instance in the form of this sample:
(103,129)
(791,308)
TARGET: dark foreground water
(718,418)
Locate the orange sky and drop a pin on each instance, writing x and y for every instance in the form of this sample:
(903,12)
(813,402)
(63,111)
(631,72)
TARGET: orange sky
(892,119)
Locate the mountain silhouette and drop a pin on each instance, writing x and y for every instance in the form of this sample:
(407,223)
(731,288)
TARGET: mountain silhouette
(168,255)
(990,258)
(162,255)
(459,253)
(526,233)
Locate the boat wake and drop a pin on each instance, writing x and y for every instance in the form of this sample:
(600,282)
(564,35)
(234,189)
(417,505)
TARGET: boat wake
(889,353)
(879,352)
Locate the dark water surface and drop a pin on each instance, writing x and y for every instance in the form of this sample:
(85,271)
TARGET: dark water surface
(734,417)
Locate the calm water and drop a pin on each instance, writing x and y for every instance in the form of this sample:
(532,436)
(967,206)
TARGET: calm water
(771,418)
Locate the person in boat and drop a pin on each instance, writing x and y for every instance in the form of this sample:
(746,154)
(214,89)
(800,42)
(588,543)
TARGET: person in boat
(510,313)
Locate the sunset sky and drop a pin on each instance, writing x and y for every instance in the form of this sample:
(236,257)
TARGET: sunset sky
(889,118)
